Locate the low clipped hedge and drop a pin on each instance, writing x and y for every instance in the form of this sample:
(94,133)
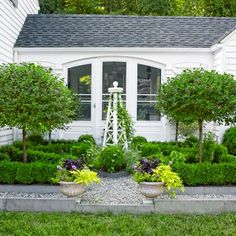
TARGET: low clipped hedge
(206,173)
(34,155)
(28,173)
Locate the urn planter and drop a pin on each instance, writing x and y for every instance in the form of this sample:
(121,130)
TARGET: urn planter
(151,190)
(71,189)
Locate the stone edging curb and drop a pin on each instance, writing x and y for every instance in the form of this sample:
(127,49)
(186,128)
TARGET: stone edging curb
(159,207)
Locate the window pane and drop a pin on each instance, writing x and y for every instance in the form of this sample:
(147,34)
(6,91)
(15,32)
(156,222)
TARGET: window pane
(146,111)
(79,81)
(112,71)
(149,81)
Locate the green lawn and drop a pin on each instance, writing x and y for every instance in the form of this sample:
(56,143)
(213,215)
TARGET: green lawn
(76,224)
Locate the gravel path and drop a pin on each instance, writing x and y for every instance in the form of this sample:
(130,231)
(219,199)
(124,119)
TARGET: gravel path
(122,190)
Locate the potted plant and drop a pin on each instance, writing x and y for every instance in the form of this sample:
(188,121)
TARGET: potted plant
(152,176)
(73,176)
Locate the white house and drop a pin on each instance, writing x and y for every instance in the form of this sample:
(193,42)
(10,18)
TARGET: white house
(12,16)
(92,51)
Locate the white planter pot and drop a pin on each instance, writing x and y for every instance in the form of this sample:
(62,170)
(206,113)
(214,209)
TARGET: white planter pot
(151,189)
(71,189)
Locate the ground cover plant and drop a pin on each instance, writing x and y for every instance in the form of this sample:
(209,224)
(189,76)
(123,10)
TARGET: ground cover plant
(60,224)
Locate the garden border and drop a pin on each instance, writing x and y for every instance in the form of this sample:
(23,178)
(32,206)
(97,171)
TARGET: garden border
(43,188)
(161,206)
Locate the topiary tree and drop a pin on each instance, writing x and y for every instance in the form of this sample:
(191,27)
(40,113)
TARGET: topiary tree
(32,98)
(199,96)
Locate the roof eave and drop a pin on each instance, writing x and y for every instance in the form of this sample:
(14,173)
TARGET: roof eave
(110,49)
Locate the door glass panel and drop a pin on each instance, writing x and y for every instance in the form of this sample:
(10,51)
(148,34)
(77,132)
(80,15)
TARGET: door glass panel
(149,81)
(112,71)
(79,81)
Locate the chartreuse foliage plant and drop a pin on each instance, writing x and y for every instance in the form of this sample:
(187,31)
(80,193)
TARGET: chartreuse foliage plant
(154,171)
(85,176)
(32,98)
(200,96)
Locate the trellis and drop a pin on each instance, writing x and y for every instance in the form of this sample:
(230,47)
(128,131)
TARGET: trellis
(115,129)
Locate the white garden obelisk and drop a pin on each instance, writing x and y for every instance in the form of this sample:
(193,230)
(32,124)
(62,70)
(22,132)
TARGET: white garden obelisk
(115,129)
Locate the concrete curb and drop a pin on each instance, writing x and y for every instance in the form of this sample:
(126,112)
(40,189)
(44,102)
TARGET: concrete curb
(162,206)
(202,190)
(37,205)
(20,188)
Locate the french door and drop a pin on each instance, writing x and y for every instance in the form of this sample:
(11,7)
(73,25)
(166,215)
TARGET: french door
(90,80)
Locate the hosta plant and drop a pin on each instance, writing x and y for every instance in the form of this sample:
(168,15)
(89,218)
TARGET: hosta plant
(154,171)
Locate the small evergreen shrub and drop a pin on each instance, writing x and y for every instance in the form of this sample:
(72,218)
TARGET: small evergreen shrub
(191,154)
(137,141)
(148,149)
(10,151)
(177,157)
(80,150)
(227,159)
(4,157)
(190,141)
(26,173)
(167,147)
(208,148)
(229,140)
(111,158)
(36,139)
(34,155)
(220,151)
(60,148)
(206,173)
(87,138)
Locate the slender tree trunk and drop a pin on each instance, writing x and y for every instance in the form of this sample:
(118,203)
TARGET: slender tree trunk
(24,145)
(50,137)
(200,125)
(176,131)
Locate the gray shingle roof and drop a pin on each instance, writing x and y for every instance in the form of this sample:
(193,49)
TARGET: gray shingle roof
(123,31)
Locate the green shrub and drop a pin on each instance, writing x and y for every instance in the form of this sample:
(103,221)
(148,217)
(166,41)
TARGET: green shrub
(131,157)
(10,150)
(111,158)
(208,148)
(219,151)
(227,158)
(167,147)
(190,141)
(4,157)
(86,138)
(8,172)
(80,150)
(92,156)
(36,139)
(34,155)
(26,173)
(177,157)
(229,140)
(148,149)
(138,141)
(206,173)
(59,148)
(191,154)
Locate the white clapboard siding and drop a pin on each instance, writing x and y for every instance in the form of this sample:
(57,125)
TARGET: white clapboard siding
(11,22)
(230,55)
